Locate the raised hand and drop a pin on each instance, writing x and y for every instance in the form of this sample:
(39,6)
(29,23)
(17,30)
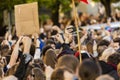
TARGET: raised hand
(59,38)
(27,44)
(57,29)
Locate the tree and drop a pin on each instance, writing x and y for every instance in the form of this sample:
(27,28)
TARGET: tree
(9,6)
(52,5)
(107,5)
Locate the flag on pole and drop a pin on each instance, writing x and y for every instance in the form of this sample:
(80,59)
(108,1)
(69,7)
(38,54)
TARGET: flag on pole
(85,1)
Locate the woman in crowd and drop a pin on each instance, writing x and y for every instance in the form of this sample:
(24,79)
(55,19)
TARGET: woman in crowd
(54,54)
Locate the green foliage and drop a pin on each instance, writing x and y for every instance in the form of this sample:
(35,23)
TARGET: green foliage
(65,5)
(48,4)
(9,4)
(51,5)
(44,17)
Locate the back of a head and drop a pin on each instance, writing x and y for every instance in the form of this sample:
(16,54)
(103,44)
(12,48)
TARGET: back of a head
(114,59)
(105,77)
(38,74)
(59,74)
(117,40)
(68,61)
(102,45)
(45,48)
(50,58)
(10,78)
(89,70)
(40,63)
(32,49)
(49,42)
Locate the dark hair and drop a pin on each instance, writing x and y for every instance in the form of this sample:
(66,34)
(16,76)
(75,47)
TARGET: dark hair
(42,36)
(40,63)
(114,58)
(45,48)
(89,70)
(50,41)
(32,49)
(54,32)
(117,40)
(102,45)
(103,42)
(80,14)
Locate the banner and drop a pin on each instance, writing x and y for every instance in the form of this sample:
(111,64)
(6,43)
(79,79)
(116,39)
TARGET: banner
(26,19)
(98,26)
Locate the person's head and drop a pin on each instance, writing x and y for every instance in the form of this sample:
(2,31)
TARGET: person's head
(46,26)
(100,50)
(51,43)
(45,48)
(68,61)
(89,70)
(28,71)
(50,58)
(40,63)
(116,43)
(114,58)
(36,74)
(105,77)
(62,73)
(102,45)
(109,51)
(42,36)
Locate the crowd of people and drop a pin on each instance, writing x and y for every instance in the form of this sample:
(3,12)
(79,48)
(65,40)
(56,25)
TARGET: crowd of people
(54,55)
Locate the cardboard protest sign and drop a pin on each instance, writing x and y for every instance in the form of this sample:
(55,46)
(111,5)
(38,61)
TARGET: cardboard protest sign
(26,19)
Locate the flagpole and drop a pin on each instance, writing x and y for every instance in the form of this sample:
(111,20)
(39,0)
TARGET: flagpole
(77,28)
